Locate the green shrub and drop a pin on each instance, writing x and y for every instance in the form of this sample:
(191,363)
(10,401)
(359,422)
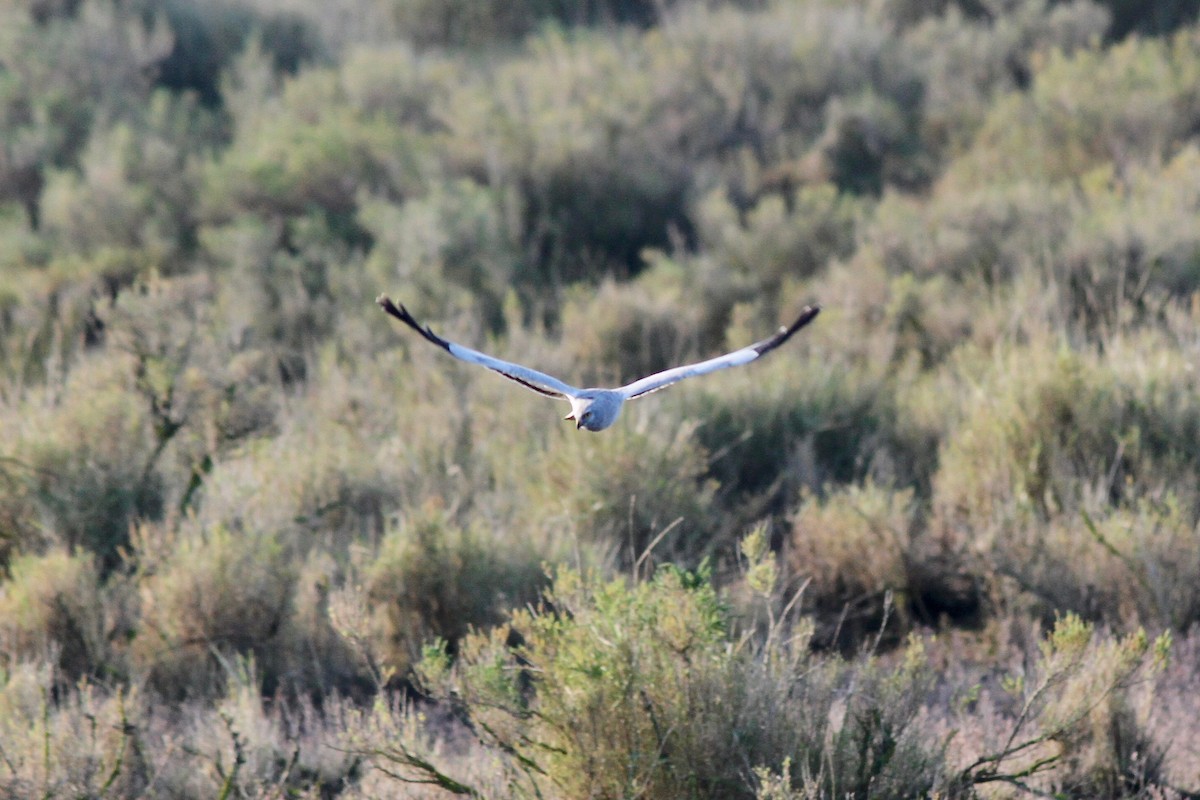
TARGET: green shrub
(1132,245)
(983,237)
(1127,104)
(792,236)
(625,331)
(93,740)
(613,690)
(968,57)
(471,23)
(208,37)
(305,486)
(810,415)
(451,245)
(134,189)
(400,85)
(303,147)
(58,91)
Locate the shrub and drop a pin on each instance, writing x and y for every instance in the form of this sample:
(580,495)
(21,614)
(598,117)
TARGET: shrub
(1128,104)
(1071,443)
(431,579)
(982,237)
(208,37)
(793,236)
(806,417)
(400,85)
(468,24)
(620,493)
(80,462)
(625,331)
(73,742)
(216,595)
(968,58)
(51,608)
(305,147)
(98,741)
(451,245)
(861,547)
(1131,247)
(1078,725)
(617,690)
(134,189)
(58,92)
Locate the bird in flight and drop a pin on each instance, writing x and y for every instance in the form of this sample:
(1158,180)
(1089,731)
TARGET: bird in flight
(596,409)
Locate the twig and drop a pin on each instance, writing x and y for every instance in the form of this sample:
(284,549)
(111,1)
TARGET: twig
(650,547)
(239,758)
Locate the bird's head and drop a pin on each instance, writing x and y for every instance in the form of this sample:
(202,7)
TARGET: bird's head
(595,412)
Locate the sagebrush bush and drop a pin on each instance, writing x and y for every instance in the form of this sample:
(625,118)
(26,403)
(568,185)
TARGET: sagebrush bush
(645,485)
(627,331)
(1125,104)
(330,496)
(433,580)
(217,594)
(235,499)
(868,569)
(1131,246)
(79,742)
(1073,718)
(51,608)
(800,419)
(616,690)
(1057,443)
(80,461)
(307,147)
(452,247)
(92,740)
(133,191)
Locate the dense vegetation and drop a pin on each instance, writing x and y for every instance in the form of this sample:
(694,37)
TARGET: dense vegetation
(257,542)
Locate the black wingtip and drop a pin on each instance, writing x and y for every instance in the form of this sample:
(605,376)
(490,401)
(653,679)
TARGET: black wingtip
(401,313)
(806,316)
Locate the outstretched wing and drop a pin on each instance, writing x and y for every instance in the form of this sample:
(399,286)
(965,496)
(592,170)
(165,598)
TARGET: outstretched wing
(530,378)
(659,380)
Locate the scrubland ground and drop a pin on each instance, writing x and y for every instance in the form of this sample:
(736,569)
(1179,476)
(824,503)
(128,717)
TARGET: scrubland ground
(256,541)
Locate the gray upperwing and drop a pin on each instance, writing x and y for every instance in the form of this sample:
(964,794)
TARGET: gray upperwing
(530,378)
(661,380)
(539,382)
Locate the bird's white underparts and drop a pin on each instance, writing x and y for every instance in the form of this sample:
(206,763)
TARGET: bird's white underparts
(596,409)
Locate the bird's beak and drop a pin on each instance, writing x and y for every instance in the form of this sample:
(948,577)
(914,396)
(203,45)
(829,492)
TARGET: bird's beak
(578,424)
(570,416)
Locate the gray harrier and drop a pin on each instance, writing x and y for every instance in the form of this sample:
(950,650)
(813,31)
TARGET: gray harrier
(596,409)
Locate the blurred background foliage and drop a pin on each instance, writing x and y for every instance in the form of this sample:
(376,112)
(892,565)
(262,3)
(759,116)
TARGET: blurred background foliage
(237,505)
